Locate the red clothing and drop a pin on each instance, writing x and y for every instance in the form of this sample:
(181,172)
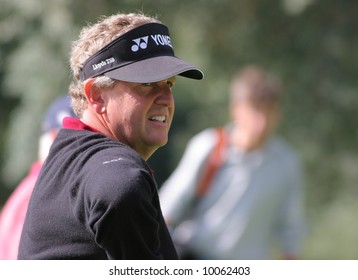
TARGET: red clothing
(13,214)
(76,124)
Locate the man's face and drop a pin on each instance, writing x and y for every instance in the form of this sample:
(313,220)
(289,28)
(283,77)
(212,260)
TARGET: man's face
(140,115)
(255,122)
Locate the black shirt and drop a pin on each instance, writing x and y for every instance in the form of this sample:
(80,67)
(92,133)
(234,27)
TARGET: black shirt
(95,198)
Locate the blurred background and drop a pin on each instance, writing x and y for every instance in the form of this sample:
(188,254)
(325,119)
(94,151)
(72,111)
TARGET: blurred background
(311,45)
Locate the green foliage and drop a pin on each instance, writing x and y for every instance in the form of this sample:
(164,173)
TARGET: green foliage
(310,45)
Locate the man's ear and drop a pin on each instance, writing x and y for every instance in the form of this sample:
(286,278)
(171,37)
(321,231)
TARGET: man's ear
(94,97)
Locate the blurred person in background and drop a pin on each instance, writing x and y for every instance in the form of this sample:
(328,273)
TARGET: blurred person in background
(13,213)
(238,189)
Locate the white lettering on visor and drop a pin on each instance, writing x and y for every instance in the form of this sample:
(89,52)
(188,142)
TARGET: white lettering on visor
(103,63)
(142,42)
(163,40)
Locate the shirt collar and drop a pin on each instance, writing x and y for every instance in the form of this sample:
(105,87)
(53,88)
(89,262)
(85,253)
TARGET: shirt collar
(76,124)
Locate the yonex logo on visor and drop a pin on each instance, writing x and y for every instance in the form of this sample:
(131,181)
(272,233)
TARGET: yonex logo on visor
(131,57)
(141,42)
(162,40)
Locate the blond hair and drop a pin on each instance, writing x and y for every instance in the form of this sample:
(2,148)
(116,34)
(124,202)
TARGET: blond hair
(92,38)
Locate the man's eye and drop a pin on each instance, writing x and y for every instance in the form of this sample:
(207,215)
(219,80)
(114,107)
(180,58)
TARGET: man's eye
(170,84)
(147,84)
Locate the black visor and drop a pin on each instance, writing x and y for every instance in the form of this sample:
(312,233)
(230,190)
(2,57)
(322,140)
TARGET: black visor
(143,55)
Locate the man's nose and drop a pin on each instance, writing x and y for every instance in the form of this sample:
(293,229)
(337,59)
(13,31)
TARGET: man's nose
(165,96)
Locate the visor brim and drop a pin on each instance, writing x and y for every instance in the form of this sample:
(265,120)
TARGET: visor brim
(155,69)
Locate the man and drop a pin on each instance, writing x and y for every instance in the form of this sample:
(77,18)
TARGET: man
(96,197)
(13,213)
(237,190)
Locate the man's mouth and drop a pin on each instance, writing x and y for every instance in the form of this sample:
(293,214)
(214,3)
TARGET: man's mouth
(158,119)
